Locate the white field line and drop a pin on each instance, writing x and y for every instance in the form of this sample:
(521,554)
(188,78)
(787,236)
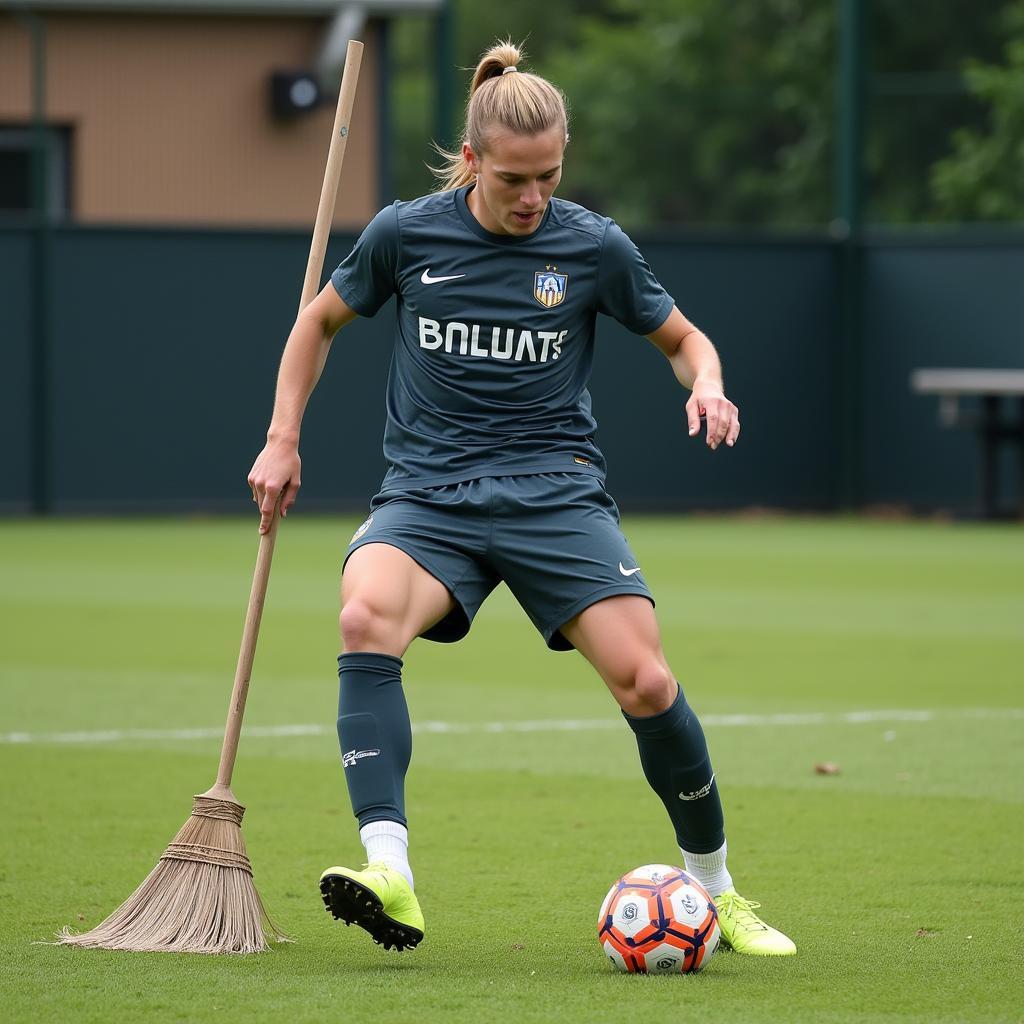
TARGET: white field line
(108,736)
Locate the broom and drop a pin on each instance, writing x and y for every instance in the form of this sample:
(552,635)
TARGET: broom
(200,898)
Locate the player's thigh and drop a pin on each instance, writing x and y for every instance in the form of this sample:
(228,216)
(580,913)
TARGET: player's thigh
(388,598)
(620,637)
(562,550)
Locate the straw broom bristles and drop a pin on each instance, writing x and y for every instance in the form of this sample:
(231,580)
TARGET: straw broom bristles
(200,898)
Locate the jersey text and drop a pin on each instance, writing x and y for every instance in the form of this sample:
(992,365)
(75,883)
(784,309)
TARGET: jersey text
(491,342)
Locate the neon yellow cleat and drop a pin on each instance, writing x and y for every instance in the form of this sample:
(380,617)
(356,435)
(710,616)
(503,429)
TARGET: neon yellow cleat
(379,900)
(744,932)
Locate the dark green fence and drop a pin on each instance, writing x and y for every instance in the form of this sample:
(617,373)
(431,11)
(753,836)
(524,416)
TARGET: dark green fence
(163,347)
(16,368)
(950,302)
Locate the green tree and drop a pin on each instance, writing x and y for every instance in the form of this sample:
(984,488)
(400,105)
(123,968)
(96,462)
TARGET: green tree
(693,111)
(412,106)
(699,112)
(982,179)
(917,94)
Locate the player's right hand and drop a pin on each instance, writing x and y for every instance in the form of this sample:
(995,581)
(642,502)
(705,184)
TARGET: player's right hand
(275,476)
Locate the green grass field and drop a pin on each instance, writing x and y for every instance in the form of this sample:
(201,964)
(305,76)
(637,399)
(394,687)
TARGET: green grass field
(895,650)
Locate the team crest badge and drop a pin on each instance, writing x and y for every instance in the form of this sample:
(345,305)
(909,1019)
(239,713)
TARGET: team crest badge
(362,529)
(549,287)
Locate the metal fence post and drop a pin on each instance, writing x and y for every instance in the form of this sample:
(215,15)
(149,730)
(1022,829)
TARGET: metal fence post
(848,227)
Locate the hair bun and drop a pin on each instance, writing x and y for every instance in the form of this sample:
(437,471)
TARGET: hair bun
(500,58)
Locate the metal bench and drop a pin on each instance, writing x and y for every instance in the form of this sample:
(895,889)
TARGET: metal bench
(993,388)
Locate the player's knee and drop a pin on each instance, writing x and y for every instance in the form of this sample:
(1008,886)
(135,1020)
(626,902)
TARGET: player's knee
(653,689)
(363,626)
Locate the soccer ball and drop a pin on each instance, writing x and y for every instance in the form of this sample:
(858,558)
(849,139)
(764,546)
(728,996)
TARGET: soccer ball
(658,919)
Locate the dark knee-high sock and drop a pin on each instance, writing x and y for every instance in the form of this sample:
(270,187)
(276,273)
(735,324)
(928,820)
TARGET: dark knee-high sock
(675,760)
(375,735)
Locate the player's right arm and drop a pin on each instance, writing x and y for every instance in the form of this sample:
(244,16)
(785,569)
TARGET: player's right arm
(276,471)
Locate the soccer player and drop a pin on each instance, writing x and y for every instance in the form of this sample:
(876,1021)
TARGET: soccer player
(493,474)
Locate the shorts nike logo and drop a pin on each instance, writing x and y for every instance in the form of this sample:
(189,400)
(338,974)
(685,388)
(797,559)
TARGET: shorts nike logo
(627,572)
(427,279)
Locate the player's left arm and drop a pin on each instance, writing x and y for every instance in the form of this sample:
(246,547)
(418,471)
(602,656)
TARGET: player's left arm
(697,367)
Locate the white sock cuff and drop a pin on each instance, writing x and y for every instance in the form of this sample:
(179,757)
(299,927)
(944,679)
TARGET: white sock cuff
(392,829)
(713,861)
(709,869)
(387,842)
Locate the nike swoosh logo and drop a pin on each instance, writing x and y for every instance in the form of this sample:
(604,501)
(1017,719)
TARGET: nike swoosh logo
(627,572)
(698,793)
(427,279)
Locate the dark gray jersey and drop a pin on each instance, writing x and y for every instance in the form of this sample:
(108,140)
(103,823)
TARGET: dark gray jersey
(495,335)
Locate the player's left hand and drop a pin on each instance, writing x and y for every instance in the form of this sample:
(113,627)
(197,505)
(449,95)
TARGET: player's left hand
(708,402)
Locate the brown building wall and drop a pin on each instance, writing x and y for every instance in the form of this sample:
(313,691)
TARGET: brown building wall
(170,119)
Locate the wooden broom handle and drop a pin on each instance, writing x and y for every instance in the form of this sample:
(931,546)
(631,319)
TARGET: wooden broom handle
(310,286)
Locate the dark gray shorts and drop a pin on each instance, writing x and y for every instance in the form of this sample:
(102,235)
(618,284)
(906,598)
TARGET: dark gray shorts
(553,538)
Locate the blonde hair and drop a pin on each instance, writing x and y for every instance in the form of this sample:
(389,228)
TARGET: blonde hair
(502,96)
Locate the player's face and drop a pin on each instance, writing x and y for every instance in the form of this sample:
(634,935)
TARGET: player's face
(515,176)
